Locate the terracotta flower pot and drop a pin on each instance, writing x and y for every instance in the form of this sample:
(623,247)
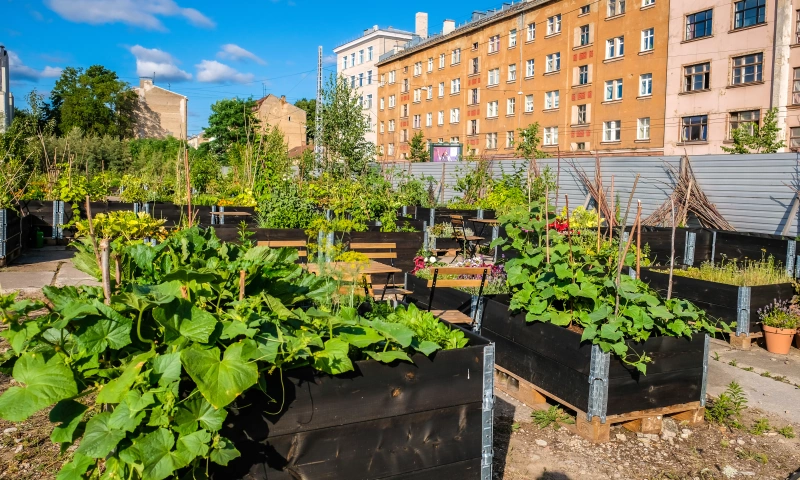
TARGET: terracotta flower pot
(779,340)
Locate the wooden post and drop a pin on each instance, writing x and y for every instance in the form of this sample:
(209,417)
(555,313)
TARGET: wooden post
(188,187)
(91,232)
(242,277)
(104,269)
(547,222)
(672,256)
(638,246)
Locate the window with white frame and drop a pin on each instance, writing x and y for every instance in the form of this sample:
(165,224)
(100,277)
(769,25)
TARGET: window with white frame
(647,3)
(417,121)
(441,89)
(512,72)
(494,77)
(583,35)
(529,68)
(455,115)
(353,59)
(344,62)
(796,87)
(616,7)
(368,103)
(510,139)
(455,86)
(391,125)
(370,53)
(352,81)
(441,60)
(648,39)
(615,47)
(453,139)
(475,45)
(512,38)
(429,119)
(418,69)
(528,103)
(430,64)
(611,131)
(361,79)
(613,90)
(583,75)
(553,63)
(550,136)
(585,9)
(360,57)
(390,150)
(494,43)
(747,68)
(392,101)
(405,86)
(429,95)
(476,66)
(794,138)
(531,35)
(554,24)
(369,77)
(417,95)
(392,76)
(645,84)
(643,129)
(455,56)
(511,106)
(440,118)
(404,111)
(383,126)
(473,127)
(491,141)
(491,109)
(551,99)
(582,115)
(383,103)
(474,97)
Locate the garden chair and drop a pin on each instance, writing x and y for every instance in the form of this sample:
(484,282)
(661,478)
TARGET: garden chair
(456,316)
(300,245)
(469,243)
(382,251)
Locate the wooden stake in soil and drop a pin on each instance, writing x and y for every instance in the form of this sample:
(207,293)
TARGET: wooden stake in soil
(672,256)
(611,218)
(638,245)
(569,233)
(624,253)
(91,233)
(686,203)
(188,187)
(242,276)
(547,222)
(105,269)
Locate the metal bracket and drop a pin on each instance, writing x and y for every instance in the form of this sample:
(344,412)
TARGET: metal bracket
(58,219)
(797,266)
(480,214)
(791,252)
(136,207)
(713,246)
(405,210)
(688,251)
(743,312)
(476,312)
(147,208)
(705,372)
(625,237)
(495,234)
(632,273)
(432,220)
(221,219)
(425,234)
(598,384)
(487,417)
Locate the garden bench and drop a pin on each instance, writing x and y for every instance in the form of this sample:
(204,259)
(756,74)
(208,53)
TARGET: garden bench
(455,316)
(382,251)
(300,245)
(469,243)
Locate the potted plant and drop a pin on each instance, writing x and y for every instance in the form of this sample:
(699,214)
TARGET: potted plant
(779,321)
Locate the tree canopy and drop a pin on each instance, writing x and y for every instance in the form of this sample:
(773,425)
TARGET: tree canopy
(344,125)
(232,121)
(310,107)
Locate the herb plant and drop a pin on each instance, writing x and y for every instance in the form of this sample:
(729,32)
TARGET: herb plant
(780,314)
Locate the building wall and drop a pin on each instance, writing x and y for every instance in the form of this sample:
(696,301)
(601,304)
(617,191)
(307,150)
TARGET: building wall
(381,42)
(290,120)
(723,98)
(6,99)
(160,113)
(792,88)
(629,67)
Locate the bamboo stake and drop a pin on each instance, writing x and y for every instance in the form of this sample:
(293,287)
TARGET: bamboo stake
(104,270)
(672,257)
(686,203)
(242,276)
(188,187)
(558,176)
(639,245)
(547,222)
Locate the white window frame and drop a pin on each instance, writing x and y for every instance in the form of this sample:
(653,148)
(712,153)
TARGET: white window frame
(512,72)
(392,101)
(494,77)
(455,86)
(383,103)
(429,119)
(417,121)
(455,115)
(512,38)
(440,118)
(391,149)
(344,62)
(491,109)
(360,57)
(441,89)
(553,63)
(529,103)
(648,40)
(643,128)
(369,54)
(510,139)
(430,64)
(583,75)
(455,57)
(531,32)
(550,136)
(441,60)
(611,131)
(511,106)
(392,77)
(613,90)
(430,92)
(417,69)
(615,47)
(391,125)
(491,141)
(554,24)
(646,85)
(417,95)
(494,44)
(615,7)
(530,68)
(552,100)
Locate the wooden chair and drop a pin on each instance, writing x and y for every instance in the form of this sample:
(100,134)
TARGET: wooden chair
(300,245)
(455,316)
(381,251)
(469,242)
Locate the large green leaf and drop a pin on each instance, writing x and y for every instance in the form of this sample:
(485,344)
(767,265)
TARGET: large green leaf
(45,383)
(130,412)
(395,331)
(113,330)
(100,438)
(76,469)
(194,445)
(197,409)
(390,356)
(333,359)
(182,319)
(220,381)
(223,452)
(166,368)
(358,336)
(115,390)
(69,414)
(155,450)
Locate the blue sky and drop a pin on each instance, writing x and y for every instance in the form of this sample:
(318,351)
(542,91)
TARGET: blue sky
(202,49)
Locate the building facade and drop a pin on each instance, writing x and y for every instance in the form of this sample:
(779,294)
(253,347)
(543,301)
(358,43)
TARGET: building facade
(729,63)
(6,98)
(357,59)
(160,113)
(591,74)
(275,111)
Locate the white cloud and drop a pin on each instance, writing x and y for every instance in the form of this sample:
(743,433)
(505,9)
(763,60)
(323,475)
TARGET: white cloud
(151,61)
(20,71)
(212,71)
(139,13)
(329,59)
(234,52)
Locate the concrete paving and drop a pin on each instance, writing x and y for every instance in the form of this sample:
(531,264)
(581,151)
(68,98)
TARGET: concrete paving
(38,268)
(760,360)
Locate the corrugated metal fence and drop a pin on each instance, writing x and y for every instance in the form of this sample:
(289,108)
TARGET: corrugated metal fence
(753,192)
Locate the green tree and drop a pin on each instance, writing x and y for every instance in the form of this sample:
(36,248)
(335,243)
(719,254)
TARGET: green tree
(310,107)
(94,100)
(344,125)
(232,121)
(752,138)
(529,141)
(418,149)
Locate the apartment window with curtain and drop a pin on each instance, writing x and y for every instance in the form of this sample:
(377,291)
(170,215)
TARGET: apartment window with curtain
(615,47)
(512,72)
(749,12)
(369,54)
(512,38)
(647,3)
(494,77)
(491,141)
(344,62)
(392,77)
(455,86)
(554,24)
(390,150)
(646,85)
(613,90)
(643,128)
(585,9)
(473,96)
(796,87)
(475,66)
(694,128)
(511,106)
(430,64)
(405,86)
(794,137)
(392,101)
(747,120)
(440,118)
(417,121)
(696,77)
(616,7)
(510,139)
(473,127)
(529,68)
(583,75)
(455,57)
(583,39)
(582,115)
(550,136)
(360,57)
(551,100)
(494,43)
(369,101)
(455,115)
(648,39)
(747,68)
(700,24)
(441,89)
(418,69)
(553,63)
(383,103)
(391,125)
(441,60)
(491,109)
(528,103)
(429,119)
(611,131)
(531,32)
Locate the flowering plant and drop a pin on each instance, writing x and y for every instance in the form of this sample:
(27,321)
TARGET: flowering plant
(780,314)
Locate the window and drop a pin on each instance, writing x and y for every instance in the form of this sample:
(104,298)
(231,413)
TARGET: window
(441,60)
(404,111)
(369,77)
(361,79)
(391,125)
(417,95)
(360,57)
(580,146)
(611,131)
(797,28)
(440,118)
(510,139)
(648,38)
(615,47)
(454,115)
(344,62)
(643,129)
(512,72)
(417,69)
(749,12)
(476,66)
(352,81)
(383,126)
(494,76)
(453,139)
(531,32)
(551,99)
(695,77)
(405,86)
(392,77)
(369,54)
(645,84)
(695,128)
(473,127)
(584,36)
(369,101)
(528,103)
(699,25)
(747,120)
(494,43)
(429,96)
(405,69)
(554,24)
(550,136)
(475,45)
(383,103)
(529,68)
(429,120)
(647,3)
(455,57)
(616,7)
(417,121)
(391,149)
(585,9)
(796,87)
(441,89)
(512,38)
(614,89)
(430,64)
(353,59)
(361,101)
(747,68)
(491,141)
(455,86)
(582,115)
(794,137)
(491,109)
(511,106)
(553,63)
(473,96)
(583,75)
(392,101)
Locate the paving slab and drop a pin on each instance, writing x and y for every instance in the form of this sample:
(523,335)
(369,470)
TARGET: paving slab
(68,275)
(759,360)
(38,268)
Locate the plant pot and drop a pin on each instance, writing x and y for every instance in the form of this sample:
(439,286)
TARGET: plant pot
(779,340)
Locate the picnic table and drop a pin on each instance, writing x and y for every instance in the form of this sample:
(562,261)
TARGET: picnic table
(351,270)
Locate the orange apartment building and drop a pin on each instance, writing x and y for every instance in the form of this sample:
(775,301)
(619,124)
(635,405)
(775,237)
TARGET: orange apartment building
(591,73)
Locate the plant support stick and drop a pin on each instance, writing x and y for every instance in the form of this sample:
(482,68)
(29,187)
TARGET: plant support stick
(547,222)
(672,256)
(105,269)
(91,233)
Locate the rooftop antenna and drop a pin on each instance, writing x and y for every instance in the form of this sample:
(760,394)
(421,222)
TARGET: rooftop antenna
(263,89)
(318,113)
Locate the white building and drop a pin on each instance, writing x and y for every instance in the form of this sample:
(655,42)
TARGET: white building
(6,98)
(356,61)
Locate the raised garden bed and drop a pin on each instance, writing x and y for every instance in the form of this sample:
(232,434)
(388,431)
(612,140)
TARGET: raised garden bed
(692,245)
(429,420)
(554,363)
(14,235)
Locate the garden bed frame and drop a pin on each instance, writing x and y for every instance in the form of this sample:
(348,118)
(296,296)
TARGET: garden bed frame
(14,235)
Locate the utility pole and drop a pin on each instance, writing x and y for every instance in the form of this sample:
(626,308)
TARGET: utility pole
(318,113)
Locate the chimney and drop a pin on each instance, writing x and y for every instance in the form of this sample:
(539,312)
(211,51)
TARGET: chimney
(448,27)
(283,99)
(145,82)
(421,25)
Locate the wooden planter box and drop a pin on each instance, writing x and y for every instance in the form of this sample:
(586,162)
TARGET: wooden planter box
(432,419)
(727,246)
(727,303)
(15,235)
(444,299)
(541,360)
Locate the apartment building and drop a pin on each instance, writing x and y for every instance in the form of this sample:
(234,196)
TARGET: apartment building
(273,111)
(6,98)
(729,62)
(356,60)
(592,74)
(160,113)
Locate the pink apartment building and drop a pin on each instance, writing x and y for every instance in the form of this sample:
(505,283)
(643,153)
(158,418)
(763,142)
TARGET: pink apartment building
(729,62)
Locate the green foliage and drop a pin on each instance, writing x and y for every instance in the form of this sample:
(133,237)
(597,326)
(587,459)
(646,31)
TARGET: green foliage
(125,225)
(746,454)
(552,416)
(346,153)
(528,141)
(779,314)
(286,207)
(760,427)
(418,150)
(786,432)
(232,121)
(755,138)
(310,107)
(727,409)
(748,273)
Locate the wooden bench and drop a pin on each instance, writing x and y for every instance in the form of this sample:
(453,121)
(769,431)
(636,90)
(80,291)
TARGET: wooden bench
(381,251)
(300,245)
(455,316)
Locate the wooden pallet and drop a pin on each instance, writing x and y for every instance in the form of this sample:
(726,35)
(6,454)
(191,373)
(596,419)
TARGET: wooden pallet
(643,421)
(744,342)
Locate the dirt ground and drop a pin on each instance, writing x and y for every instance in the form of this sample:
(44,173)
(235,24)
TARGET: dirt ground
(703,452)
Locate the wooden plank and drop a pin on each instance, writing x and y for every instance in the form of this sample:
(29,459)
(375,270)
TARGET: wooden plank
(694,416)
(390,255)
(519,389)
(459,270)
(452,316)
(645,425)
(373,246)
(663,390)
(741,342)
(455,283)
(593,430)
(668,354)
(282,243)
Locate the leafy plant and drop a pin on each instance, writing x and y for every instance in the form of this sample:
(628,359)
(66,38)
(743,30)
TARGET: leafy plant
(749,273)
(751,137)
(727,408)
(760,427)
(124,225)
(418,151)
(779,314)
(552,416)
(746,454)
(787,431)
